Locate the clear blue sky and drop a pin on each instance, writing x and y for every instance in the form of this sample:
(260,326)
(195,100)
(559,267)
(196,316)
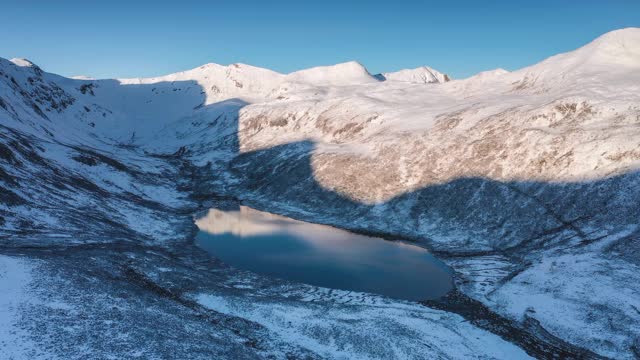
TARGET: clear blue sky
(144,38)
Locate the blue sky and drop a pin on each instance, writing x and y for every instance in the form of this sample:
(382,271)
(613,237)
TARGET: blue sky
(145,38)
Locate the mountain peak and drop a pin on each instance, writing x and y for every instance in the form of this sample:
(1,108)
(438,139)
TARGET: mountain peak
(616,47)
(420,75)
(346,73)
(22,62)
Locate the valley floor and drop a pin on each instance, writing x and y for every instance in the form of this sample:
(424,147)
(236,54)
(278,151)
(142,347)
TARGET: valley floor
(90,273)
(126,287)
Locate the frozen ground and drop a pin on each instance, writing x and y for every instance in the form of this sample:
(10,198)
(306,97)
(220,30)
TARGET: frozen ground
(525,182)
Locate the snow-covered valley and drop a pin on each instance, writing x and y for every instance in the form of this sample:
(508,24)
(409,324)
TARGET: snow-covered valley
(525,183)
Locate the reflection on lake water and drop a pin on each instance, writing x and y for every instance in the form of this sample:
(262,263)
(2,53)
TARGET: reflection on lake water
(321,255)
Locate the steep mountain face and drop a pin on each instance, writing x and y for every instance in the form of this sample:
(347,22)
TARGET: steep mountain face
(525,182)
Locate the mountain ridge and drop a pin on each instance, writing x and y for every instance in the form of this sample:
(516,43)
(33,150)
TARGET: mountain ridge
(618,46)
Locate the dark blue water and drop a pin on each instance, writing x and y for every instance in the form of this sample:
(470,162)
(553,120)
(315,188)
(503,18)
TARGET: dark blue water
(321,255)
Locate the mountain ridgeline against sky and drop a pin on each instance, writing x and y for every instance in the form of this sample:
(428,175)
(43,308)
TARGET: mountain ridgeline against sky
(525,183)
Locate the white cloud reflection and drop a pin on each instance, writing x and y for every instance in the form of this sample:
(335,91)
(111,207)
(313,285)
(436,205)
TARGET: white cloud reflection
(247,222)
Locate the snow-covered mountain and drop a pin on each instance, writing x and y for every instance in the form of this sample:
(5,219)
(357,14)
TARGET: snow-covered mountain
(420,75)
(349,73)
(526,183)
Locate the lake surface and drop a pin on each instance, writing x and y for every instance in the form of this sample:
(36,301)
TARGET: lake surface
(321,255)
